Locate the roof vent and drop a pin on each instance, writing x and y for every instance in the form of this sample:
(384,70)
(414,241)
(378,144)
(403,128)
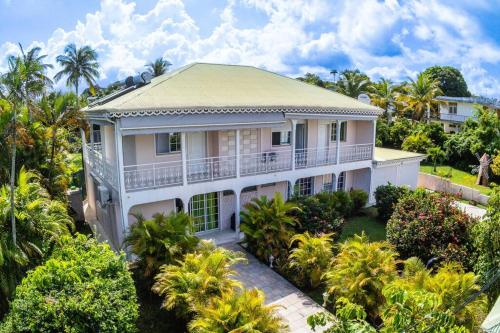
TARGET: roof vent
(138,80)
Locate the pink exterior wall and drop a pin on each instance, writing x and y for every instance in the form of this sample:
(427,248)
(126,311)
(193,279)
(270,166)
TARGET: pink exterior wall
(149,209)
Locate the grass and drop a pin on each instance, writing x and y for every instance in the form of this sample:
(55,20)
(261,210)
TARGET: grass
(457,176)
(365,221)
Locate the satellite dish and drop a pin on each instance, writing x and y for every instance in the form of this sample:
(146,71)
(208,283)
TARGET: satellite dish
(363,98)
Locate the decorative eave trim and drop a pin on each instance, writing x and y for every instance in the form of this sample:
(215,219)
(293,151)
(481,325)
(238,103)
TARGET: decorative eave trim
(400,161)
(221,110)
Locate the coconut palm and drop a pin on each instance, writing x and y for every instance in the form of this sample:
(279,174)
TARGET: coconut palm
(419,95)
(311,257)
(158,67)
(268,225)
(238,312)
(59,114)
(360,271)
(161,240)
(78,64)
(189,284)
(352,83)
(384,95)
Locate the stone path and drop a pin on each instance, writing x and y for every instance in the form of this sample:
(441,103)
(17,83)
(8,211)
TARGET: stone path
(295,305)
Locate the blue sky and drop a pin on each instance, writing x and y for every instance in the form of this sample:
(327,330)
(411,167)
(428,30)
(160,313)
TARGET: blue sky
(392,39)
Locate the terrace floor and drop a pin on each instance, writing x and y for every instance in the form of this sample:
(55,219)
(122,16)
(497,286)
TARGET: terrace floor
(295,305)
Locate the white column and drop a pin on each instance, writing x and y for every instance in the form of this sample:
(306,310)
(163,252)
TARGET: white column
(334,182)
(121,178)
(237,153)
(294,131)
(237,194)
(184,158)
(374,138)
(337,139)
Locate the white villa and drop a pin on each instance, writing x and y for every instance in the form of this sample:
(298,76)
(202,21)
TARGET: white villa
(208,138)
(453,111)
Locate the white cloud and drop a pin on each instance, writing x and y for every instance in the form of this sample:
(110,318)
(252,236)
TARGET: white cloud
(388,38)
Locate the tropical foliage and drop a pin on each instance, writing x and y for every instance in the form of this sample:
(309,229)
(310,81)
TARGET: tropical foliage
(83,287)
(189,284)
(386,197)
(428,225)
(419,95)
(319,213)
(310,258)
(158,67)
(451,81)
(359,199)
(360,271)
(161,240)
(238,311)
(268,226)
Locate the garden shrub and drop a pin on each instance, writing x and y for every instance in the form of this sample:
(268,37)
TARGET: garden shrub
(386,196)
(310,259)
(318,214)
(83,287)
(359,199)
(340,201)
(428,225)
(418,143)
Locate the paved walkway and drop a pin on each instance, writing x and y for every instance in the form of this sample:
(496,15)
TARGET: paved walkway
(471,210)
(296,306)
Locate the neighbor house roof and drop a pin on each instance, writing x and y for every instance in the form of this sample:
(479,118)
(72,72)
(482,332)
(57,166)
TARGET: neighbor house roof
(489,102)
(211,88)
(389,156)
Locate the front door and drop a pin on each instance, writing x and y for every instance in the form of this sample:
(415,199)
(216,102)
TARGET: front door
(204,208)
(300,145)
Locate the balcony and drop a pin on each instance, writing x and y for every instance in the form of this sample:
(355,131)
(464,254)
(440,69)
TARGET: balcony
(155,175)
(99,165)
(458,118)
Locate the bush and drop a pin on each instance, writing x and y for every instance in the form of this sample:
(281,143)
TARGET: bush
(359,199)
(236,311)
(318,214)
(310,259)
(340,201)
(161,240)
(82,287)
(386,196)
(360,271)
(428,225)
(418,143)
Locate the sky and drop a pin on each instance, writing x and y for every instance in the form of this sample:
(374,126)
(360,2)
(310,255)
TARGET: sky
(392,39)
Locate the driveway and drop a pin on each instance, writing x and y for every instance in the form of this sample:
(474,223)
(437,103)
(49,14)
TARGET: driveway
(295,305)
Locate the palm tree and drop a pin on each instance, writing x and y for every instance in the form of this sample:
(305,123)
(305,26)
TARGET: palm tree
(360,271)
(311,258)
(238,312)
(419,95)
(191,283)
(268,226)
(58,113)
(334,72)
(78,64)
(352,83)
(161,240)
(383,94)
(158,67)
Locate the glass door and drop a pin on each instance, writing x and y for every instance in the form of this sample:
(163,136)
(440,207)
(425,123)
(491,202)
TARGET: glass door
(204,208)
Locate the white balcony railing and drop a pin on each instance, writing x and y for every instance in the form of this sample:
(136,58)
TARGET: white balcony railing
(99,165)
(312,157)
(211,168)
(453,117)
(144,176)
(265,162)
(354,153)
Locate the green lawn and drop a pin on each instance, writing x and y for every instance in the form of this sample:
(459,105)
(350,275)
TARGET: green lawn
(367,222)
(457,176)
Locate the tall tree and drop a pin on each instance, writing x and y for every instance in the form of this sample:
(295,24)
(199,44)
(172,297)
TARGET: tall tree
(158,67)
(419,95)
(78,64)
(313,79)
(451,81)
(383,94)
(352,83)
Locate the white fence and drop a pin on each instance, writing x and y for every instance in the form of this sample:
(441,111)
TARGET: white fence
(440,184)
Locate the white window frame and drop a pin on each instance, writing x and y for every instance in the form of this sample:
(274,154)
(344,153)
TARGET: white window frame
(328,183)
(305,191)
(341,181)
(343,131)
(170,136)
(452,106)
(205,223)
(285,138)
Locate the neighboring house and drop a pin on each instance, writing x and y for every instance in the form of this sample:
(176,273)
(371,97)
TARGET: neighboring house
(453,111)
(208,138)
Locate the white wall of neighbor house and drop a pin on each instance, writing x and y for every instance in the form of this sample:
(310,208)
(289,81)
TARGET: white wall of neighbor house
(463,109)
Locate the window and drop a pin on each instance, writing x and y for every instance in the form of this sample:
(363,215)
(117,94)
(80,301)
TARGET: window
(304,186)
(249,189)
(167,143)
(452,108)
(343,131)
(328,183)
(204,208)
(96,130)
(341,182)
(281,138)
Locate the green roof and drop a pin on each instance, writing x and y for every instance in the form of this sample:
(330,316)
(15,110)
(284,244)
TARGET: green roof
(388,155)
(211,88)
